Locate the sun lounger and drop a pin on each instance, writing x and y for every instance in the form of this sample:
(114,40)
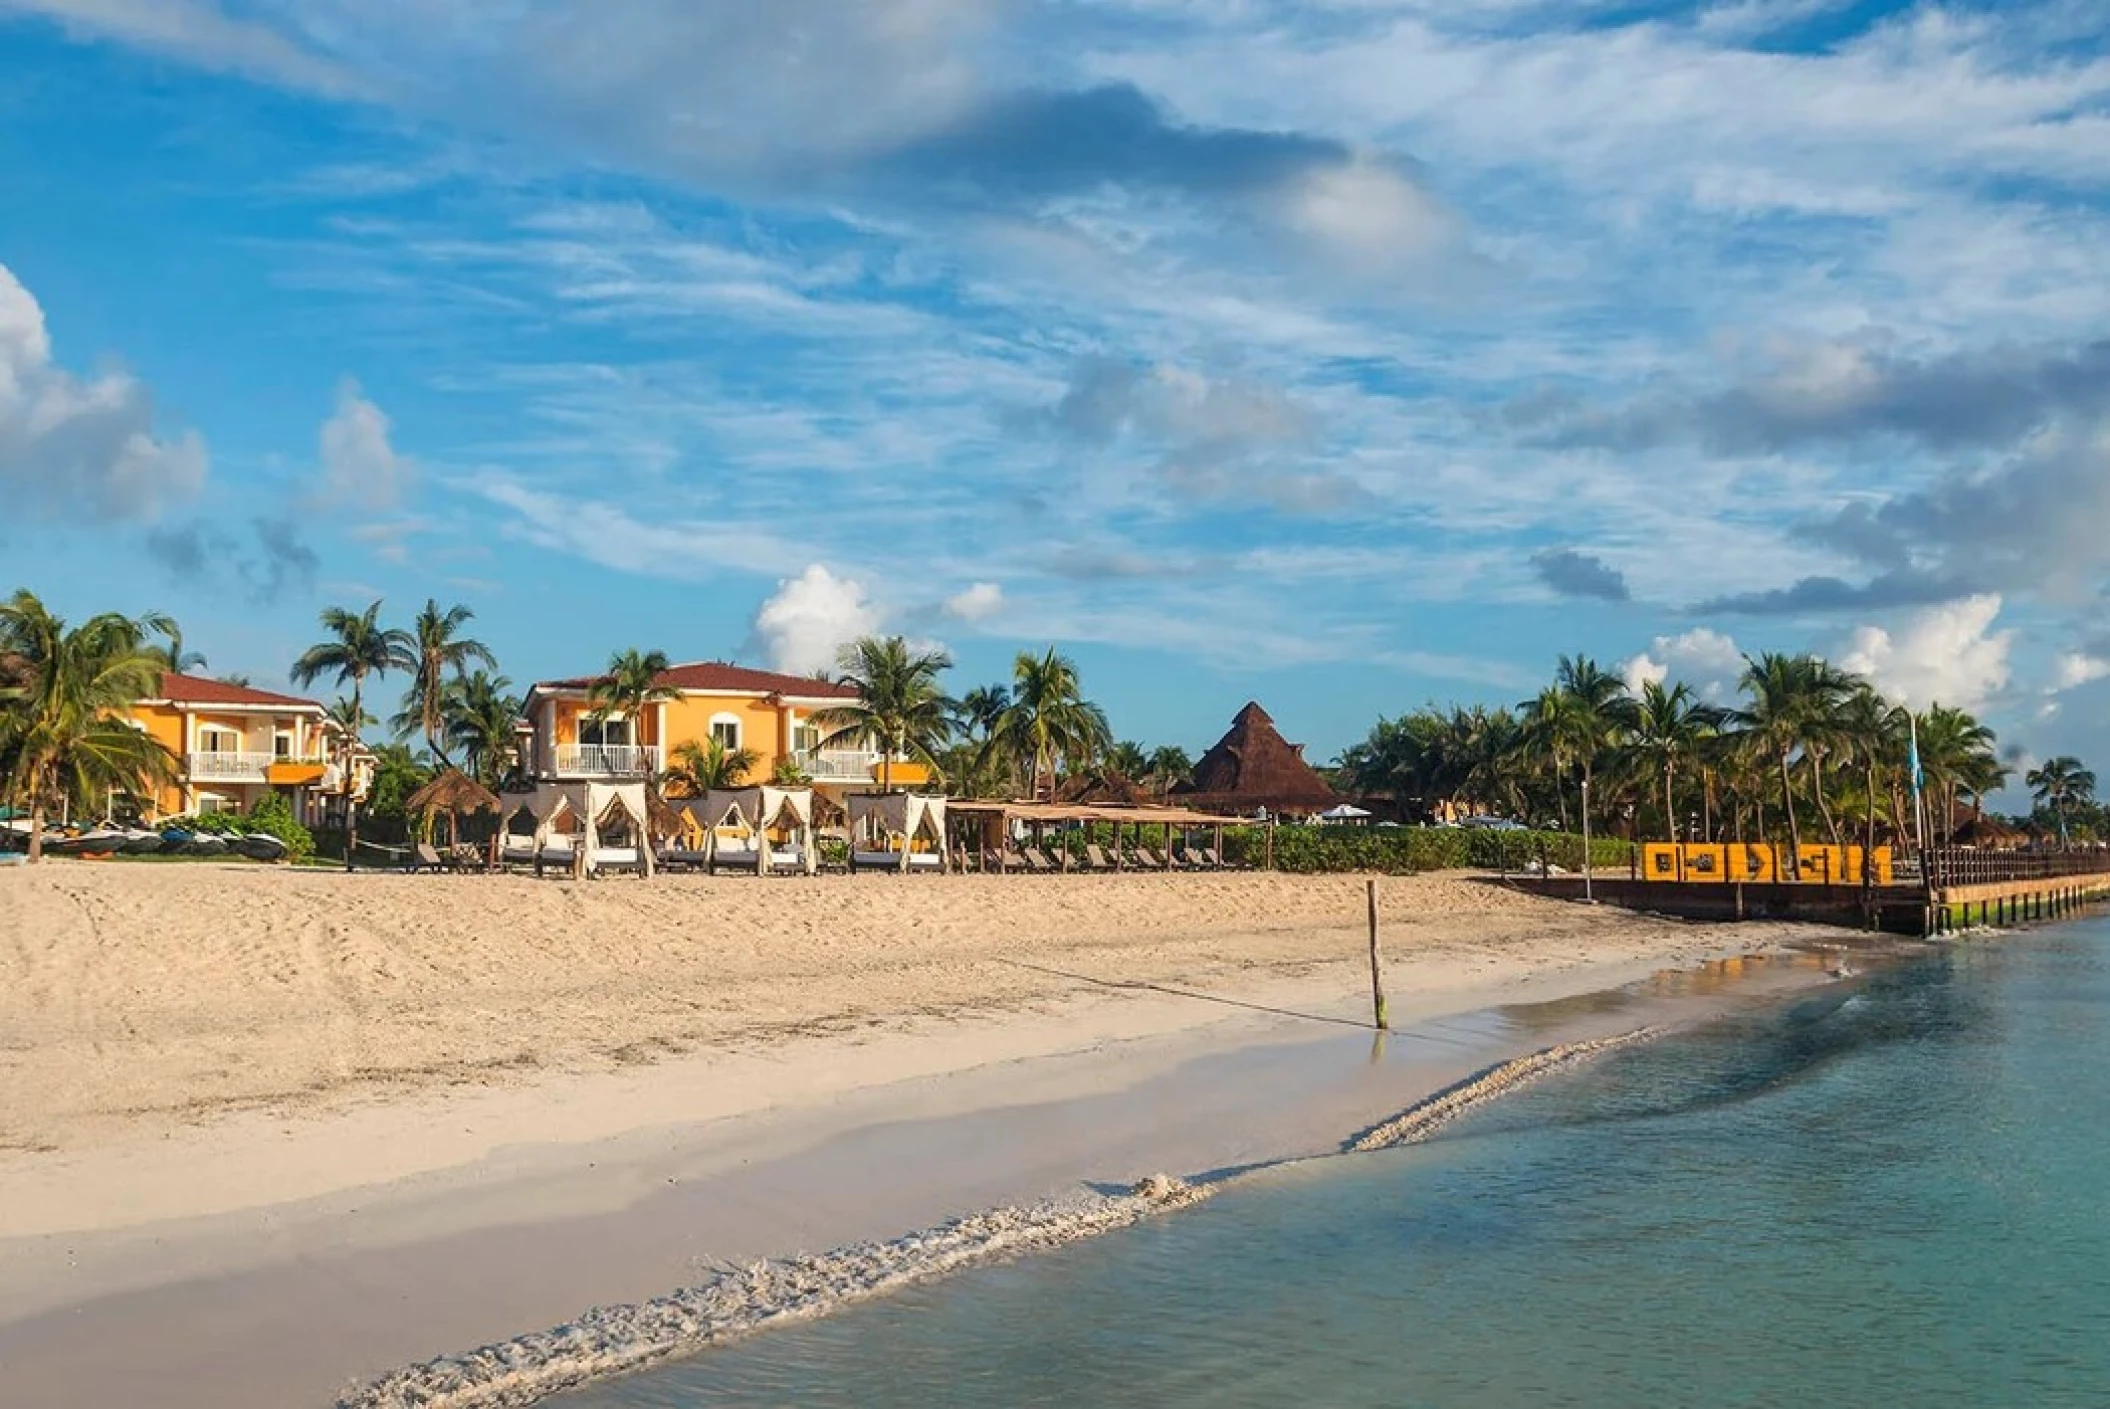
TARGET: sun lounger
(1095,856)
(1148,859)
(423,857)
(1037,860)
(891,861)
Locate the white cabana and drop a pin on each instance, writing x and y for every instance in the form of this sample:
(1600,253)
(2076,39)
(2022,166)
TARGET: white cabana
(880,817)
(753,812)
(592,803)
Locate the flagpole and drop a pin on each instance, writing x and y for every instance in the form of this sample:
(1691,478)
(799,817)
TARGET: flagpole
(1919,800)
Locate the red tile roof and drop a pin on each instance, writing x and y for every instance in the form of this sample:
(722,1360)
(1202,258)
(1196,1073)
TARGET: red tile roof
(195,690)
(711,675)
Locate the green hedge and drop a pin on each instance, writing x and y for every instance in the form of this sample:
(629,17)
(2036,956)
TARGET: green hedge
(1400,851)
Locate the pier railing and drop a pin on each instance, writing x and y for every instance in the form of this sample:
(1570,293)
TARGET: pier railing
(1964,866)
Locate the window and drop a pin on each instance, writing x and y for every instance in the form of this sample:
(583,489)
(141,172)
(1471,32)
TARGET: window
(603,731)
(805,738)
(282,746)
(726,730)
(214,738)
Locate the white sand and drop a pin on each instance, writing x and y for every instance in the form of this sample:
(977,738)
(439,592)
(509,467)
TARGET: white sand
(340,1097)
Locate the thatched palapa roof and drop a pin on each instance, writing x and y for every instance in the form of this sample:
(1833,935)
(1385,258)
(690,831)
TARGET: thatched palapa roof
(453,791)
(1253,767)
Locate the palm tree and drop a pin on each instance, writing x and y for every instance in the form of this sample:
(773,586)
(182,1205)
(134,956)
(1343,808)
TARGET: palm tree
(900,707)
(1869,727)
(1049,721)
(1128,759)
(632,685)
(1792,701)
(1956,755)
(359,646)
(439,651)
(2060,784)
(1668,727)
(1169,766)
(703,767)
(981,707)
(1603,714)
(481,712)
(170,653)
(1555,728)
(61,730)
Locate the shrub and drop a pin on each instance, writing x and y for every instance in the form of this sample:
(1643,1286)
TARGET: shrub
(1401,851)
(273,815)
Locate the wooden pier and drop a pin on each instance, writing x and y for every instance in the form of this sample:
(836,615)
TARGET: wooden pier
(1962,890)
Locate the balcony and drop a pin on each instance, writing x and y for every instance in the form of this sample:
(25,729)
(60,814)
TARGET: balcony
(838,765)
(607,760)
(229,766)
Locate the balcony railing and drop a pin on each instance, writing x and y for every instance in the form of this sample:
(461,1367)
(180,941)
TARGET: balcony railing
(240,766)
(230,766)
(607,760)
(837,765)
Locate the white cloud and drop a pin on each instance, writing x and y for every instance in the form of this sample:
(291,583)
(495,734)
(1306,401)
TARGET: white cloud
(1947,654)
(1704,659)
(69,445)
(2074,669)
(360,467)
(197,32)
(978,602)
(810,618)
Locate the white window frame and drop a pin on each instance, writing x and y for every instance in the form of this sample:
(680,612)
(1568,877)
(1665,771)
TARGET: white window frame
(732,721)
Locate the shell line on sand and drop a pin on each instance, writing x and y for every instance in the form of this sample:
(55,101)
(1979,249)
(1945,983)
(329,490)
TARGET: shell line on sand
(616,1340)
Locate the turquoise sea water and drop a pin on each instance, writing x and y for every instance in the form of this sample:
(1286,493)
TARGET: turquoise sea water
(1893,1192)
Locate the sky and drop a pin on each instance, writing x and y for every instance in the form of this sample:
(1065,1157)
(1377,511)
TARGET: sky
(1344,354)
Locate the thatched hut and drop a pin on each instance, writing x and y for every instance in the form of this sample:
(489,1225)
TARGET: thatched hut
(1254,767)
(456,794)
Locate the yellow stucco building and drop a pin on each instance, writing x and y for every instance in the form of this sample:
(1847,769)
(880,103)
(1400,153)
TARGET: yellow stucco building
(741,707)
(234,744)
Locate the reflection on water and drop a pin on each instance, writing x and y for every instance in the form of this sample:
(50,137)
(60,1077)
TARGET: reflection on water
(1889,1192)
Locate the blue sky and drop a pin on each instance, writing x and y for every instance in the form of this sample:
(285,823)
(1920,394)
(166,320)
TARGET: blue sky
(1343,354)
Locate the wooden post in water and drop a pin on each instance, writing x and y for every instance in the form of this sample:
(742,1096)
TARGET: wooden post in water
(1377,977)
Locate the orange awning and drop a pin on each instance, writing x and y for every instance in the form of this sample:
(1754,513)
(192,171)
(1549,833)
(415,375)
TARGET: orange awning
(293,775)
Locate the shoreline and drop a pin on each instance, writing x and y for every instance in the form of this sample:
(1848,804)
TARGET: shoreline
(272,1257)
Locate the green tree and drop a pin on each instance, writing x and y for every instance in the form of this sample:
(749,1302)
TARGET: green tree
(1668,727)
(61,730)
(632,685)
(980,708)
(2061,784)
(1049,722)
(171,652)
(481,715)
(358,647)
(439,654)
(1790,703)
(700,767)
(1128,759)
(1169,766)
(901,709)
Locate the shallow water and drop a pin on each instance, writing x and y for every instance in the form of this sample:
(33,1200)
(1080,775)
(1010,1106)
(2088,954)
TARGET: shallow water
(1892,1191)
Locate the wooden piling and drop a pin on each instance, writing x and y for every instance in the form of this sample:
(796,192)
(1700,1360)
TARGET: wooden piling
(1377,975)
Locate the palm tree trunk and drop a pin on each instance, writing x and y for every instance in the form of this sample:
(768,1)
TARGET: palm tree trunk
(1787,798)
(1670,816)
(351,804)
(36,827)
(1824,807)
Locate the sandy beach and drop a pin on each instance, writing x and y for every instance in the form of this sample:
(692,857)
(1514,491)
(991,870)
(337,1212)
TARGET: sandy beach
(266,1132)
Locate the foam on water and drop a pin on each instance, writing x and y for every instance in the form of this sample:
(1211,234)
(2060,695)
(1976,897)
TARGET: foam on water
(617,1340)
